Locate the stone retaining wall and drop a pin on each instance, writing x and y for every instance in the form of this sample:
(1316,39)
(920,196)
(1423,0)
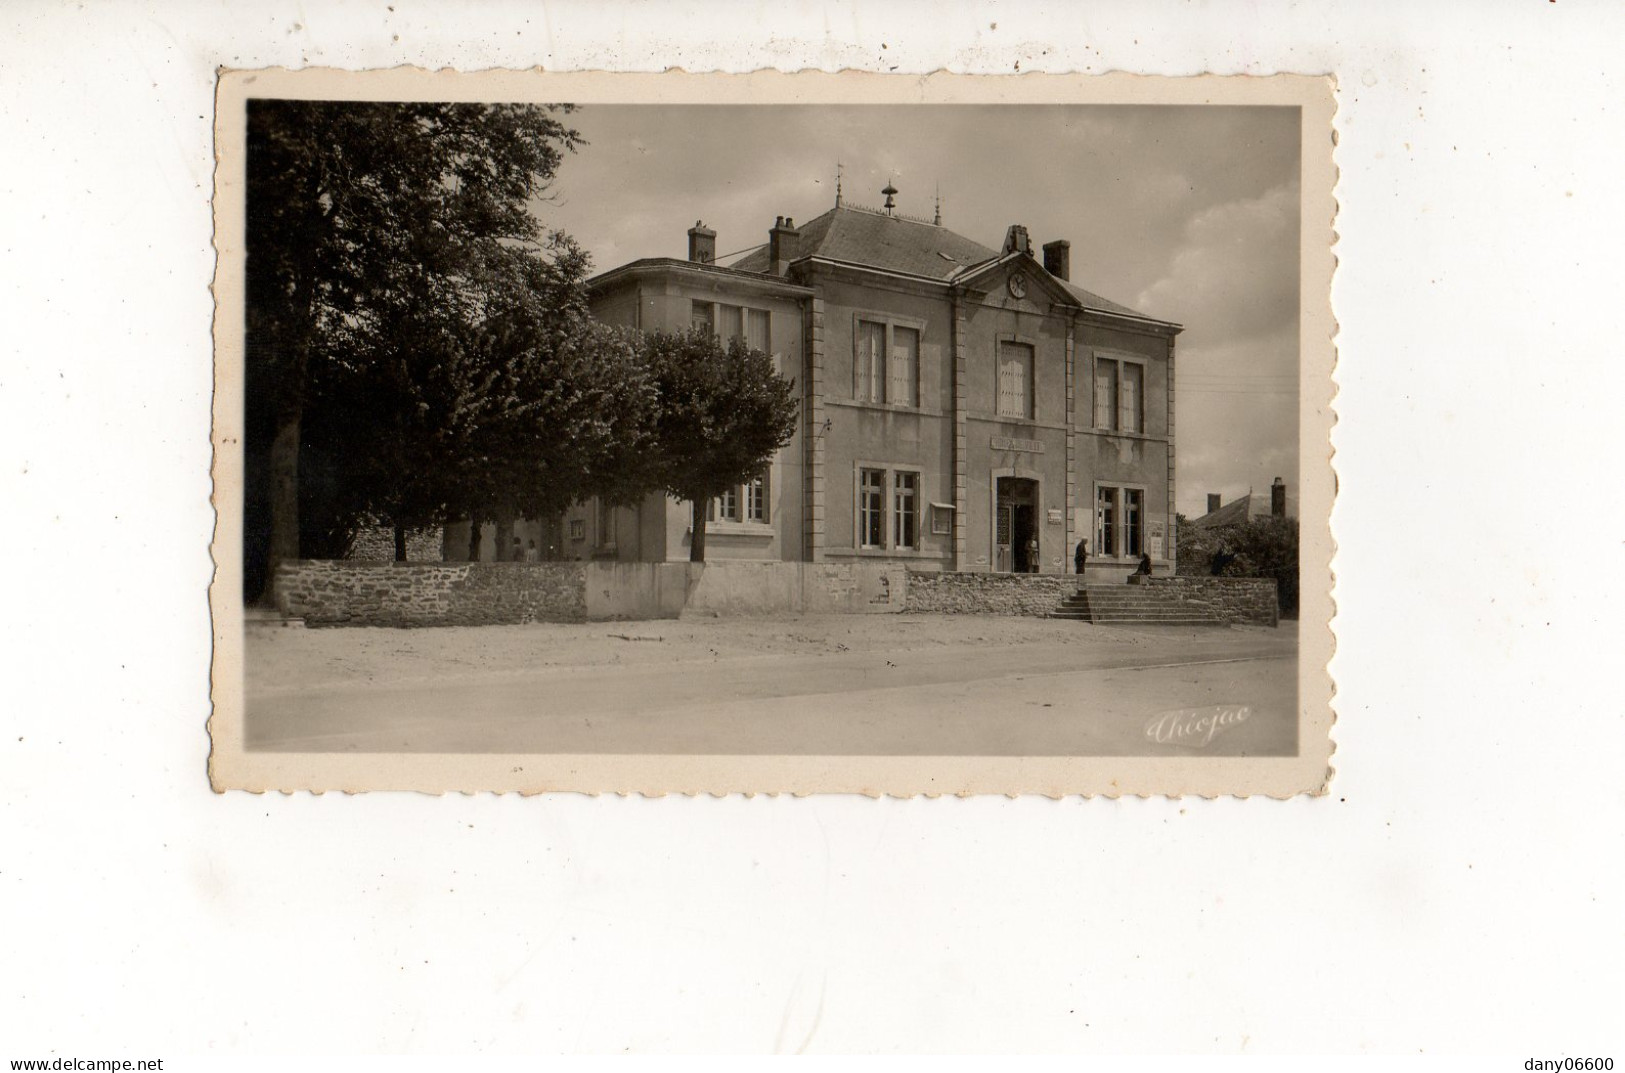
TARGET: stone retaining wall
(1236,599)
(988,594)
(353,593)
(349,593)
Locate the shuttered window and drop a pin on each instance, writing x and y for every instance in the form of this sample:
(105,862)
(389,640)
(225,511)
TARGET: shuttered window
(905,367)
(1105,394)
(1129,398)
(871,371)
(1015,380)
(757,333)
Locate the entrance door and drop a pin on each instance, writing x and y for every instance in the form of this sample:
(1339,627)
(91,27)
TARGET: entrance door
(1015,523)
(1023,529)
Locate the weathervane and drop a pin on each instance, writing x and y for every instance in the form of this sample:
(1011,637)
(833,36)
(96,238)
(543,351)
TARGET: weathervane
(837,184)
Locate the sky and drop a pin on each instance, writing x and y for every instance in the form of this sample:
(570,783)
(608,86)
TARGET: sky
(1189,214)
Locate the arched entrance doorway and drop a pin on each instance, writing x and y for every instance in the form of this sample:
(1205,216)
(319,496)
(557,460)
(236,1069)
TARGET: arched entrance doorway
(1015,523)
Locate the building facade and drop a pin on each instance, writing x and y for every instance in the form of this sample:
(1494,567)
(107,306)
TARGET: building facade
(963,408)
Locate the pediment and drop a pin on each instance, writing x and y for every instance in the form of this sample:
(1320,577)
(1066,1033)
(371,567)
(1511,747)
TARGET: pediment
(1017,281)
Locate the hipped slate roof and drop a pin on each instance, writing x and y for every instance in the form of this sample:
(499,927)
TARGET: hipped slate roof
(897,244)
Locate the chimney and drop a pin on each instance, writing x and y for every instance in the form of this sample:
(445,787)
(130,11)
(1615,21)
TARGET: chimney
(1212,502)
(1278,499)
(783,244)
(702,244)
(1058,258)
(1016,239)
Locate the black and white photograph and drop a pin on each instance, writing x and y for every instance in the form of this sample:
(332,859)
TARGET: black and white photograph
(941,429)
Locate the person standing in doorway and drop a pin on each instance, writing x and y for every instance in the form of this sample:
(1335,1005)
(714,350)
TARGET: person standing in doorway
(1032,555)
(1080,556)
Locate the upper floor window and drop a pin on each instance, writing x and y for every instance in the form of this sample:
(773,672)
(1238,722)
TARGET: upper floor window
(729,322)
(703,317)
(886,366)
(1015,380)
(1119,395)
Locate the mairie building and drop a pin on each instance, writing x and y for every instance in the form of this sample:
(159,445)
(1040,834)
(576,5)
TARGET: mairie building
(963,408)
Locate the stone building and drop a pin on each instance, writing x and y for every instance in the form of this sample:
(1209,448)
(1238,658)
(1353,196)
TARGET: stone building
(961,405)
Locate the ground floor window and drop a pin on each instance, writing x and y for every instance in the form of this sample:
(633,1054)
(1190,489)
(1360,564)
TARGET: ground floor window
(905,509)
(871,506)
(746,502)
(1119,522)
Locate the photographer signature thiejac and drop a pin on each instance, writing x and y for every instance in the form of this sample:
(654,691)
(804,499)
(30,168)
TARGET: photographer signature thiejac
(1195,727)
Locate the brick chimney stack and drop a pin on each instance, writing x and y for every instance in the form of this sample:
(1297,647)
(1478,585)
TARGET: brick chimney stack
(1278,499)
(1058,258)
(783,242)
(702,244)
(1212,502)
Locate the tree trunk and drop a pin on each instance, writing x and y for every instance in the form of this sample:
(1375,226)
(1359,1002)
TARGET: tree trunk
(504,552)
(400,543)
(284,495)
(473,539)
(696,551)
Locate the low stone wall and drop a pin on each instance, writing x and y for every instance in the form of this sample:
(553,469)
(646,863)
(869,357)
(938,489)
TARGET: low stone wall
(988,594)
(348,593)
(351,593)
(1236,599)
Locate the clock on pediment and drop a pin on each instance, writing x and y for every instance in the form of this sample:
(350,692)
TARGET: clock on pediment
(1018,285)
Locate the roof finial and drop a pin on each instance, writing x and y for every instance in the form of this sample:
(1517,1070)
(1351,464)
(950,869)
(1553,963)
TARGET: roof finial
(937,219)
(837,184)
(890,191)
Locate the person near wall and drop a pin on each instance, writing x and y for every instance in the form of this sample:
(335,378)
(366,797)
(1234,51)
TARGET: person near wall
(1032,555)
(1145,564)
(1080,556)
(531,554)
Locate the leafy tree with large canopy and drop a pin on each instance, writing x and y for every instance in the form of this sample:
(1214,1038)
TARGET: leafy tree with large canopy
(416,341)
(722,412)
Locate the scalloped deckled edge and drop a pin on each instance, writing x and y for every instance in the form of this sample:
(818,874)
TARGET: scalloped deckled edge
(1310,773)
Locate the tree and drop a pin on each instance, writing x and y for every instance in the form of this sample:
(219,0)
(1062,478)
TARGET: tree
(378,232)
(723,411)
(1261,547)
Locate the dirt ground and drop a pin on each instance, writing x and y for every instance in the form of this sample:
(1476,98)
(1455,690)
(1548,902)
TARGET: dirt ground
(825,685)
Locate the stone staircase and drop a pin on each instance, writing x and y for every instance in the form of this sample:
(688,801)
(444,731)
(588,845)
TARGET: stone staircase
(1135,605)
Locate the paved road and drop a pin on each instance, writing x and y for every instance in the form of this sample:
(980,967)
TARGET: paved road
(1029,700)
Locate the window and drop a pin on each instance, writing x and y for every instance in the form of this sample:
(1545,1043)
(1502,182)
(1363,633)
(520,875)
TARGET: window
(751,326)
(703,317)
(1119,395)
(886,363)
(758,334)
(1105,393)
(905,510)
(1106,522)
(905,367)
(725,508)
(756,498)
(605,524)
(871,507)
(1120,522)
(871,386)
(746,502)
(1015,380)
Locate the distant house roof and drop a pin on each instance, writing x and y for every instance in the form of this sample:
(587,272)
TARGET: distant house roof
(1238,511)
(1234,512)
(873,239)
